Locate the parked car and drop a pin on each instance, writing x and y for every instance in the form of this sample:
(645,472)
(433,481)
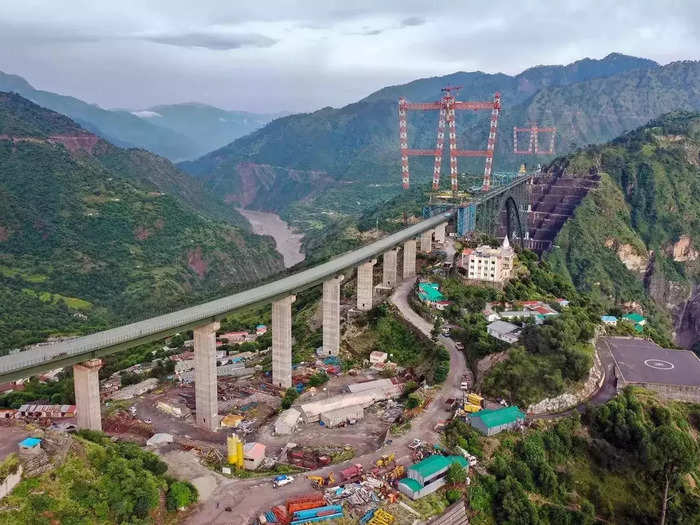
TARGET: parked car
(282,480)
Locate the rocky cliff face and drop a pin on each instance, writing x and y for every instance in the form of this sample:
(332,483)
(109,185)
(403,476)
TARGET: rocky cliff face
(688,326)
(634,239)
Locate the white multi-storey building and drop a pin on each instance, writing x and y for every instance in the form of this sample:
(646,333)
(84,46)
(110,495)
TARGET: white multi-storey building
(489,264)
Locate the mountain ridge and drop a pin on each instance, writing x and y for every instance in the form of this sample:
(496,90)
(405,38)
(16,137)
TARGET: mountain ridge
(356,146)
(122,128)
(92,235)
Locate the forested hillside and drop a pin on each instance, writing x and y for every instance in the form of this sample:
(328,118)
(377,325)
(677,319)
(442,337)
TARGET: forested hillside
(354,149)
(92,235)
(635,238)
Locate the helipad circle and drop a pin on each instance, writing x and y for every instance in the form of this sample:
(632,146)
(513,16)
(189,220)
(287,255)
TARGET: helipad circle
(659,364)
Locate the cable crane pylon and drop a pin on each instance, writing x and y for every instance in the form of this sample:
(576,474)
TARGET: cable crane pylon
(446,107)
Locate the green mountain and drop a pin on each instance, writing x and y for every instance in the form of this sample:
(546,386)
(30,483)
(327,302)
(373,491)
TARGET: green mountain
(206,127)
(177,132)
(92,235)
(636,238)
(355,148)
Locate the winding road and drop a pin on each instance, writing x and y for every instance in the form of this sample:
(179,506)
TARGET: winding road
(246,498)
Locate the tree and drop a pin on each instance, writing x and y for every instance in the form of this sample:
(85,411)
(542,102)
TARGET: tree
(456,474)
(673,453)
(180,496)
(453,495)
(289,396)
(412,402)
(437,328)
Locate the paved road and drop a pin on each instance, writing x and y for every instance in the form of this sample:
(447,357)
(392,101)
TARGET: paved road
(248,497)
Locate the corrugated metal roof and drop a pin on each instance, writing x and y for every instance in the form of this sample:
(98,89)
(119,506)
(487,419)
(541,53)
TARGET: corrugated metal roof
(500,416)
(411,484)
(435,463)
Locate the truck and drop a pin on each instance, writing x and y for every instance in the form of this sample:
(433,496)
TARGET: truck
(352,473)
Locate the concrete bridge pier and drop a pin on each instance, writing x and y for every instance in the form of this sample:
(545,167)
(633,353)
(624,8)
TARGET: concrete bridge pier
(440,233)
(205,385)
(87,394)
(365,285)
(389,268)
(331,315)
(426,241)
(282,341)
(409,259)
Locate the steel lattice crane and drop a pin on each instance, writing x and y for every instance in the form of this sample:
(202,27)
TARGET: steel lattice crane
(447,106)
(534,146)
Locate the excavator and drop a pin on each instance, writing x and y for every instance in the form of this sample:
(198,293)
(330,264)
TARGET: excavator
(319,482)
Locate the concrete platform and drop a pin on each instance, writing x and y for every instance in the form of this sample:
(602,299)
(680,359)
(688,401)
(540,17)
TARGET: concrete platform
(641,361)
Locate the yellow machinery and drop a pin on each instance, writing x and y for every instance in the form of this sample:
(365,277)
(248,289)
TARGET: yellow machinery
(381,517)
(319,481)
(475,399)
(235,451)
(469,408)
(386,460)
(396,473)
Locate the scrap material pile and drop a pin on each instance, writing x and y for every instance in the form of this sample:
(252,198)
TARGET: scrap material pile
(122,422)
(355,494)
(310,508)
(307,458)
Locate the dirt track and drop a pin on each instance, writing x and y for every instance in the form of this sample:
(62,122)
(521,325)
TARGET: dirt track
(247,498)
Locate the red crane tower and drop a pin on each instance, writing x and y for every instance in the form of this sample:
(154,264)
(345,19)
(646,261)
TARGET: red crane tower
(447,106)
(533,146)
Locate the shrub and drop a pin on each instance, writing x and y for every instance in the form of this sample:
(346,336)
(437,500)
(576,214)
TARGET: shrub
(180,495)
(453,495)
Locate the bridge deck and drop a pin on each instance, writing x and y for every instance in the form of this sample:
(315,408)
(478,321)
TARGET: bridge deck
(99,344)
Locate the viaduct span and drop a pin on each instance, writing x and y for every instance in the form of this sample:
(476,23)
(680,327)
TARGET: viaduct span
(84,353)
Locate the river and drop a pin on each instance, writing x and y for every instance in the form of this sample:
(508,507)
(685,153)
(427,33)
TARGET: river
(287,242)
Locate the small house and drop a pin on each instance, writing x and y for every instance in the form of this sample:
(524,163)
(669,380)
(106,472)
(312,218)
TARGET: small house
(609,320)
(637,320)
(377,357)
(253,455)
(428,475)
(504,331)
(430,293)
(30,446)
(493,421)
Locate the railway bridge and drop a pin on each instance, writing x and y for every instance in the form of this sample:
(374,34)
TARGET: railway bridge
(85,353)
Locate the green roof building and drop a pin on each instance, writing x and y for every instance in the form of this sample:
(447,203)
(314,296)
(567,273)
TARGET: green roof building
(428,475)
(493,421)
(430,292)
(637,319)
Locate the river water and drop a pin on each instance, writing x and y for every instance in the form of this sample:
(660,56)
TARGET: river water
(288,243)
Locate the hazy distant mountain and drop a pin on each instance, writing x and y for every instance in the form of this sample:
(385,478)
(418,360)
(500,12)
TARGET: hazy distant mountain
(177,132)
(356,146)
(207,127)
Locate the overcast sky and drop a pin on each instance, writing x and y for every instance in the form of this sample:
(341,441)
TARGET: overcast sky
(273,55)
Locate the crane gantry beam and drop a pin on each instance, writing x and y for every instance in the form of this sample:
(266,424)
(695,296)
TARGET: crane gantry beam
(446,107)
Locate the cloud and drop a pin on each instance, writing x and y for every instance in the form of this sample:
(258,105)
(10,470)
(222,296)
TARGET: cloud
(215,41)
(412,21)
(146,114)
